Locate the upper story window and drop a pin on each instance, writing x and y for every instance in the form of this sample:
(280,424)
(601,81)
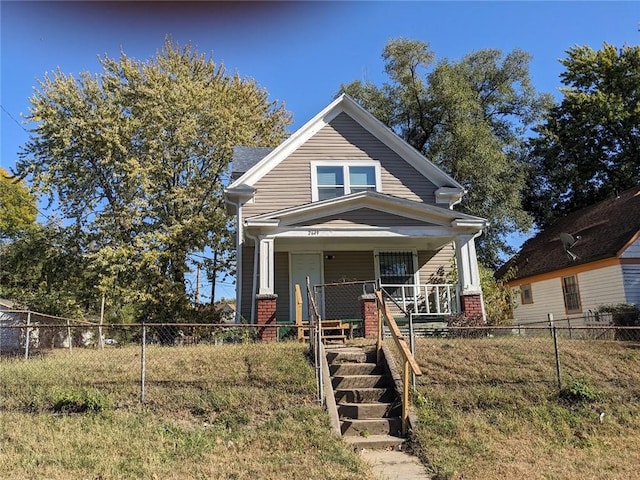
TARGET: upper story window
(331,180)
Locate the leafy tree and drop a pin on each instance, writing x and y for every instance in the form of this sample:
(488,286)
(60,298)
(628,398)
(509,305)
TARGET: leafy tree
(498,297)
(42,269)
(136,158)
(17,206)
(588,147)
(470,117)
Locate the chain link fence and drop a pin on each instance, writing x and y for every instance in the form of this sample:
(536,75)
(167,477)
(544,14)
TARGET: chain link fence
(43,359)
(341,301)
(517,357)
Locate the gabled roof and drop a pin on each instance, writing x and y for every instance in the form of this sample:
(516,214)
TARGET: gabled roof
(374,200)
(345,104)
(605,229)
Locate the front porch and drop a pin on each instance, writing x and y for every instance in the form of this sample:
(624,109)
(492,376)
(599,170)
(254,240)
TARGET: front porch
(353,313)
(418,280)
(412,249)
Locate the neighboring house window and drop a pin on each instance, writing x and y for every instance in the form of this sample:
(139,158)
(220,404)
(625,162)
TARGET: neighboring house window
(571,294)
(526,295)
(333,180)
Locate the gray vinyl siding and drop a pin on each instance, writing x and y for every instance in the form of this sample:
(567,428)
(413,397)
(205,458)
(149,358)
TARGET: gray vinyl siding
(631,279)
(281,287)
(289,183)
(348,266)
(365,216)
(247,282)
(341,298)
(435,265)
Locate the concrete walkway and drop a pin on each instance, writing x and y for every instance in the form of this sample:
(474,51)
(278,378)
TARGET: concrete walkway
(394,465)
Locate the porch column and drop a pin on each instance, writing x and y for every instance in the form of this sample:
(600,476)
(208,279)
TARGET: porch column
(369,315)
(468,273)
(266,266)
(469,277)
(266,317)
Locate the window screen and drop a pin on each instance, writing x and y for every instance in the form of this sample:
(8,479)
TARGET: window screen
(362,178)
(330,182)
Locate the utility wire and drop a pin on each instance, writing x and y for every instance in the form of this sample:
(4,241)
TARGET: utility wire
(13,118)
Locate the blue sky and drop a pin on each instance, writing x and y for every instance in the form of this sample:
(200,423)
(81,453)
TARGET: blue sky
(301,52)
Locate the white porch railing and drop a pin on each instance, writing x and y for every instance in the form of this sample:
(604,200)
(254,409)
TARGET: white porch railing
(425,299)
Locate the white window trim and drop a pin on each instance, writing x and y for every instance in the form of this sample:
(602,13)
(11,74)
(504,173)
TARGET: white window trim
(345,173)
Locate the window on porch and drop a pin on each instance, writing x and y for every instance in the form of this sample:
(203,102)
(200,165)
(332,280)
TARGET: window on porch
(396,268)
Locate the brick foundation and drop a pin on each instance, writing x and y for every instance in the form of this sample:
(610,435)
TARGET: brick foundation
(266,315)
(472,306)
(369,315)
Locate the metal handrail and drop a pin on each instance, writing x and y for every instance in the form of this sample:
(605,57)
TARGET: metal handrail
(315,340)
(299,323)
(408,360)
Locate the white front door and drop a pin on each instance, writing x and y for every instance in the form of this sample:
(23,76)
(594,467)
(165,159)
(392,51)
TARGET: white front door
(305,265)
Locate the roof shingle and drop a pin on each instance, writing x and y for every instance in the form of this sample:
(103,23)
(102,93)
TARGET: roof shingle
(246,157)
(604,229)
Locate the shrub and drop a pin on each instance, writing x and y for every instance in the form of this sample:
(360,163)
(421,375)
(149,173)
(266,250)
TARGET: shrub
(579,391)
(466,325)
(80,400)
(624,315)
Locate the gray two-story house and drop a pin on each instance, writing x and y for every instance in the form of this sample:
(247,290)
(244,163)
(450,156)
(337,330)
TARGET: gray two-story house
(345,199)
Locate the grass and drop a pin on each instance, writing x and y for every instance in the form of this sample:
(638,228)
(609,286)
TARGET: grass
(486,408)
(490,408)
(217,412)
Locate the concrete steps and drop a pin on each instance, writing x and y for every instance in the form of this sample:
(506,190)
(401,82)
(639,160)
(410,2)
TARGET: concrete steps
(366,399)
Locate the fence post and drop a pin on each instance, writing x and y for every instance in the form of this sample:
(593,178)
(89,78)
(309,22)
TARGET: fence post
(555,346)
(28,336)
(143,363)
(69,337)
(100,336)
(412,347)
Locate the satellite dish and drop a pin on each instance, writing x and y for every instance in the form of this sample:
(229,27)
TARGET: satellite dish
(568,242)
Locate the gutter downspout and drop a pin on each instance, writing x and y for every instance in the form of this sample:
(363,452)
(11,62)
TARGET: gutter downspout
(239,245)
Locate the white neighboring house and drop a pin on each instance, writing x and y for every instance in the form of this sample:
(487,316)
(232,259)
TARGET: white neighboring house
(9,337)
(601,268)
